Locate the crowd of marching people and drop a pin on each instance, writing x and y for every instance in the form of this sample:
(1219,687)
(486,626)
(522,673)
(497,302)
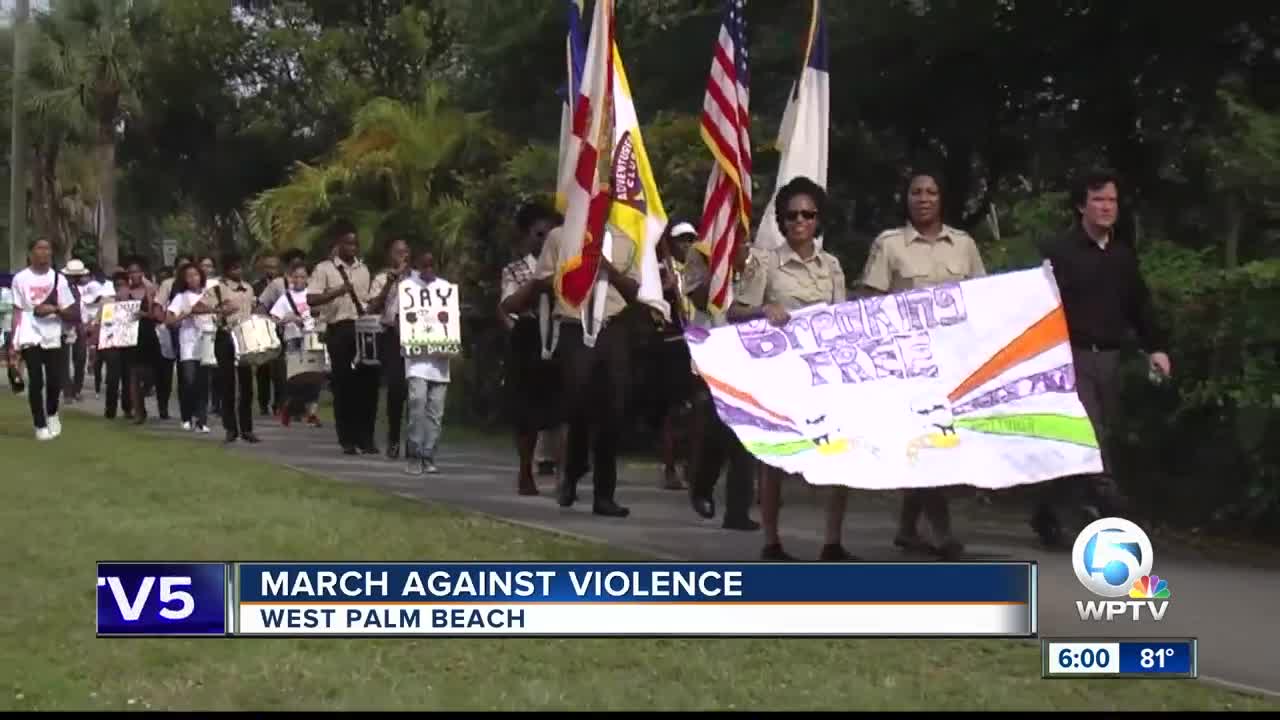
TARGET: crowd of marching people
(568,401)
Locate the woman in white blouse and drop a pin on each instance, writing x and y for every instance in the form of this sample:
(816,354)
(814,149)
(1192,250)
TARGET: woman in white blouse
(190,316)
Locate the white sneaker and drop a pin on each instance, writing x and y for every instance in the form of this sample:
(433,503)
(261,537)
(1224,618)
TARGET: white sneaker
(55,425)
(186,425)
(43,434)
(429,467)
(202,429)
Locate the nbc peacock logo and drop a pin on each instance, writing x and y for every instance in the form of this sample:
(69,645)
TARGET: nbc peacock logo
(1150,587)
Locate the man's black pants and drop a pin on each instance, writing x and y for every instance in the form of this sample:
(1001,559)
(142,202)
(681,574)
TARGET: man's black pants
(45,368)
(720,444)
(396,382)
(355,389)
(596,383)
(235,384)
(1098,386)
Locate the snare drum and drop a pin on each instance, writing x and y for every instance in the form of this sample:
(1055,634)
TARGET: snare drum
(205,348)
(255,341)
(368,331)
(306,360)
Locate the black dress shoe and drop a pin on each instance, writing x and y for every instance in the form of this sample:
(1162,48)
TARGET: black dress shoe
(609,508)
(393,451)
(704,505)
(566,493)
(231,436)
(250,438)
(350,450)
(775,553)
(369,449)
(836,553)
(744,524)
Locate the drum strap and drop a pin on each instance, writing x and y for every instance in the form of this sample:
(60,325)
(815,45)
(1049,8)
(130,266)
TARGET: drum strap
(350,289)
(292,306)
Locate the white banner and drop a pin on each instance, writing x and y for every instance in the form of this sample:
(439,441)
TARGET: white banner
(967,383)
(430,322)
(119,328)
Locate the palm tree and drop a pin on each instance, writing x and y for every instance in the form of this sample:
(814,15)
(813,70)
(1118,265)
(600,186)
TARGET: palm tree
(399,160)
(93,64)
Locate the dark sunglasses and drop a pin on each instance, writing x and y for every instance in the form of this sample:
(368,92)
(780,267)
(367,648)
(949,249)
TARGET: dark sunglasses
(793,215)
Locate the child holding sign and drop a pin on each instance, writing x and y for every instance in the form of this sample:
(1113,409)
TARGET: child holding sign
(428,311)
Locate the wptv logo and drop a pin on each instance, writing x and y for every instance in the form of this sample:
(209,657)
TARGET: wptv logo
(1112,559)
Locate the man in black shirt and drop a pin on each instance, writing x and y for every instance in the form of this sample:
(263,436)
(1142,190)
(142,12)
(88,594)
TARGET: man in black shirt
(1107,304)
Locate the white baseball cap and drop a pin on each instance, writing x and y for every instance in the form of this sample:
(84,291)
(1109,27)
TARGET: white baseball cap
(683,228)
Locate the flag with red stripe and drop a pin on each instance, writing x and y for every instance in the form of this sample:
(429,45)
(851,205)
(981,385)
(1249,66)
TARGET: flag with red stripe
(586,207)
(726,210)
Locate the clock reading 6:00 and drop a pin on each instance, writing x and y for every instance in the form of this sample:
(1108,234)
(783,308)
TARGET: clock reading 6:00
(1088,658)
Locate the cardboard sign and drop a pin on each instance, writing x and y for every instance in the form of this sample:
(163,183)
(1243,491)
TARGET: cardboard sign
(430,322)
(119,328)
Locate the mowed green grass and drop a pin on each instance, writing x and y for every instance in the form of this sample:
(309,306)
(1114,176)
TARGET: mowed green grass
(105,492)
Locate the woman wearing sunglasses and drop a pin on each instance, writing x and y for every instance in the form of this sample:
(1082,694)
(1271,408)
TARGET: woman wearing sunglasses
(796,275)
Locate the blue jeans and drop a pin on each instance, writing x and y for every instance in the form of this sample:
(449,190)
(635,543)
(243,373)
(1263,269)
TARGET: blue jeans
(426,416)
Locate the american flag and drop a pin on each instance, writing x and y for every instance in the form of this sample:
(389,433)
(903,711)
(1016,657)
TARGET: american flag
(726,210)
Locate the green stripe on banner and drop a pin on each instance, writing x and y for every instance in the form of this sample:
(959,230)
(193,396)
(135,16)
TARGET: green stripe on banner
(791,447)
(1065,428)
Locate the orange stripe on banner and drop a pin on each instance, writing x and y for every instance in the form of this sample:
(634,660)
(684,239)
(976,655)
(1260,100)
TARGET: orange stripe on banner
(744,396)
(1047,332)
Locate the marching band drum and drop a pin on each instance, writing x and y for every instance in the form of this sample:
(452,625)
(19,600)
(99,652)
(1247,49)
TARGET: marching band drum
(205,341)
(255,341)
(368,330)
(307,359)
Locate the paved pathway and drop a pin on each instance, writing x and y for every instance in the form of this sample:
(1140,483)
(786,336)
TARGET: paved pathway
(1230,608)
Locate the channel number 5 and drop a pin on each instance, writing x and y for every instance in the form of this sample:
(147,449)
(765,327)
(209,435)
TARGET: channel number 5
(1111,547)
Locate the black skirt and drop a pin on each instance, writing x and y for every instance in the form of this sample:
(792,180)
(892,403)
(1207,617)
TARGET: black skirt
(532,385)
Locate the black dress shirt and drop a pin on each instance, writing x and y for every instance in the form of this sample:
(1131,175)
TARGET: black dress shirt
(1104,296)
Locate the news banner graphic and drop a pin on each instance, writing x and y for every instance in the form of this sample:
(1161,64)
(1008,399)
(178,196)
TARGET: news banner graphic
(1076,657)
(171,599)
(1112,558)
(567,599)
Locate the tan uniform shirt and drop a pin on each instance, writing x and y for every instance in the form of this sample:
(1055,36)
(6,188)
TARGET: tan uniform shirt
(901,259)
(391,310)
(326,277)
(782,277)
(622,257)
(163,292)
(239,294)
(271,293)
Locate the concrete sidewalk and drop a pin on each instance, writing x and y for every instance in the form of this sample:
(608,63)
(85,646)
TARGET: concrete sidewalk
(1229,607)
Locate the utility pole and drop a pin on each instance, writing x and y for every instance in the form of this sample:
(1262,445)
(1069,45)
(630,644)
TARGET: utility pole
(18,148)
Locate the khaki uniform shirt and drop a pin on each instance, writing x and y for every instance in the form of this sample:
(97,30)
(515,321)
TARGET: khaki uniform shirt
(622,257)
(326,277)
(390,310)
(239,294)
(163,292)
(781,277)
(901,259)
(271,293)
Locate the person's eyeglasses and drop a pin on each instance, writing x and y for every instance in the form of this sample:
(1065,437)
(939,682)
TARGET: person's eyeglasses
(793,215)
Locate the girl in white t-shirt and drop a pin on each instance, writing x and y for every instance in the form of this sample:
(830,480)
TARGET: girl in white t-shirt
(293,314)
(42,301)
(187,313)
